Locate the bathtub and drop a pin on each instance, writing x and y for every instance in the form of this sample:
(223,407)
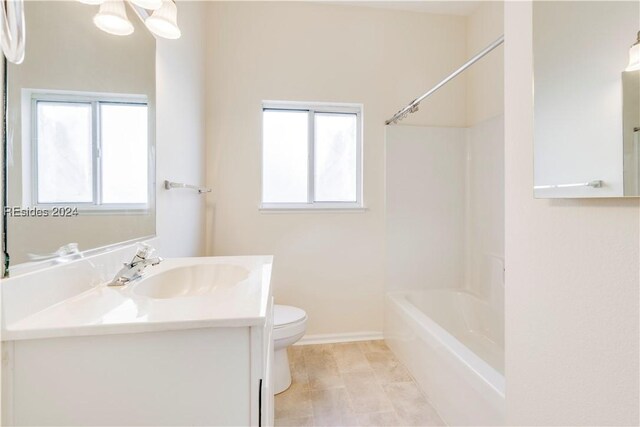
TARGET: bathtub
(453,344)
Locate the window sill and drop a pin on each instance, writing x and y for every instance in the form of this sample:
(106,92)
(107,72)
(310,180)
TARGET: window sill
(305,208)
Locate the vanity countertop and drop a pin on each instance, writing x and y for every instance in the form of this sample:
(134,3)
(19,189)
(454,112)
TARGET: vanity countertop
(219,292)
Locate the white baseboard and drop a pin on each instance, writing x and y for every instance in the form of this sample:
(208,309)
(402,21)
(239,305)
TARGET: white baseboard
(337,338)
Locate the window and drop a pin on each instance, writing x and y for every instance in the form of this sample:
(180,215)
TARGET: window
(311,156)
(90,151)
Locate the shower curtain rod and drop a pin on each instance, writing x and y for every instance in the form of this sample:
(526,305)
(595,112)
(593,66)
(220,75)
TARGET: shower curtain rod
(413,105)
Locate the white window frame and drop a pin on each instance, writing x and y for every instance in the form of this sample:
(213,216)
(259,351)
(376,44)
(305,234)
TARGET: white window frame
(312,108)
(30,188)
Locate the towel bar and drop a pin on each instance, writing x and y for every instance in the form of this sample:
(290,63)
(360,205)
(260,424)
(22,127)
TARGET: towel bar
(201,190)
(593,184)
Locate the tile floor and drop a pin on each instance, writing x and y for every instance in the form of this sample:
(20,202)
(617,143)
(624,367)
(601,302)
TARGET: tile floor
(351,384)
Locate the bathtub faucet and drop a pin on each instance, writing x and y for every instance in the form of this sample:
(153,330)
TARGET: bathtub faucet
(133,270)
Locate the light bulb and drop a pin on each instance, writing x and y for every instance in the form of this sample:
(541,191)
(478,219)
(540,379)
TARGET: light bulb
(164,21)
(112,18)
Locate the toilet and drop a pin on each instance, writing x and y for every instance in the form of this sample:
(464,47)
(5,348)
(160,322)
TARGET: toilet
(289,325)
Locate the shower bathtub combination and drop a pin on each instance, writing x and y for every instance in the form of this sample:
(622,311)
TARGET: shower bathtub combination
(444,305)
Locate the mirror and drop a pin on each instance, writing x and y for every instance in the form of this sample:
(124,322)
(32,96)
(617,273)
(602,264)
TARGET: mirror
(586,105)
(80,161)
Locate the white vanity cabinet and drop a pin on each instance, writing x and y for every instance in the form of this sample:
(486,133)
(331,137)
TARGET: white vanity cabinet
(201,371)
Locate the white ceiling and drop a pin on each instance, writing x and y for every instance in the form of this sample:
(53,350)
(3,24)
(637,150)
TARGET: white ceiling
(450,7)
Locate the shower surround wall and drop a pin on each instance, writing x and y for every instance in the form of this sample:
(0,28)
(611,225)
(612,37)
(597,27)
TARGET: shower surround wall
(425,202)
(445,209)
(484,246)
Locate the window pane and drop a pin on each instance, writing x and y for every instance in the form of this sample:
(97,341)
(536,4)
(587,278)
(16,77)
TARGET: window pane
(124,149)
(285,156)
(64,152)
(335,157)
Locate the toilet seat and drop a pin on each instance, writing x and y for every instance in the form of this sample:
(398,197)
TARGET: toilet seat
(288,322)
(284,315)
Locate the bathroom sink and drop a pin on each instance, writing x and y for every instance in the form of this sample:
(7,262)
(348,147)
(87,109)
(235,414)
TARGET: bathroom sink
(190,281)
(178,293)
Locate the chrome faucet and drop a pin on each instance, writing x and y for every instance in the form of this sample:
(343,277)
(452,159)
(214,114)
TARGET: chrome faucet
(133,270)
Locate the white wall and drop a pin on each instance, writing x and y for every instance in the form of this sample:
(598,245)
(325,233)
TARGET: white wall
(425,207)
(330,264)
(573,274)
(180,133)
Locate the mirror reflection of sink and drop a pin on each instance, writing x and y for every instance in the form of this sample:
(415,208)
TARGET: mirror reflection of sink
(190,281)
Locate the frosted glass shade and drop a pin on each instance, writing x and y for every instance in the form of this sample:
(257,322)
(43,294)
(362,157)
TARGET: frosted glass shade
(112,18)
(92,2)
(164,21)
(634,58)
(148,4)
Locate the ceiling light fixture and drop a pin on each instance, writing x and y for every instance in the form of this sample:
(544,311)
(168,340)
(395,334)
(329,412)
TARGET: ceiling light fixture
(112,18)
(164,21)
(159,16)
